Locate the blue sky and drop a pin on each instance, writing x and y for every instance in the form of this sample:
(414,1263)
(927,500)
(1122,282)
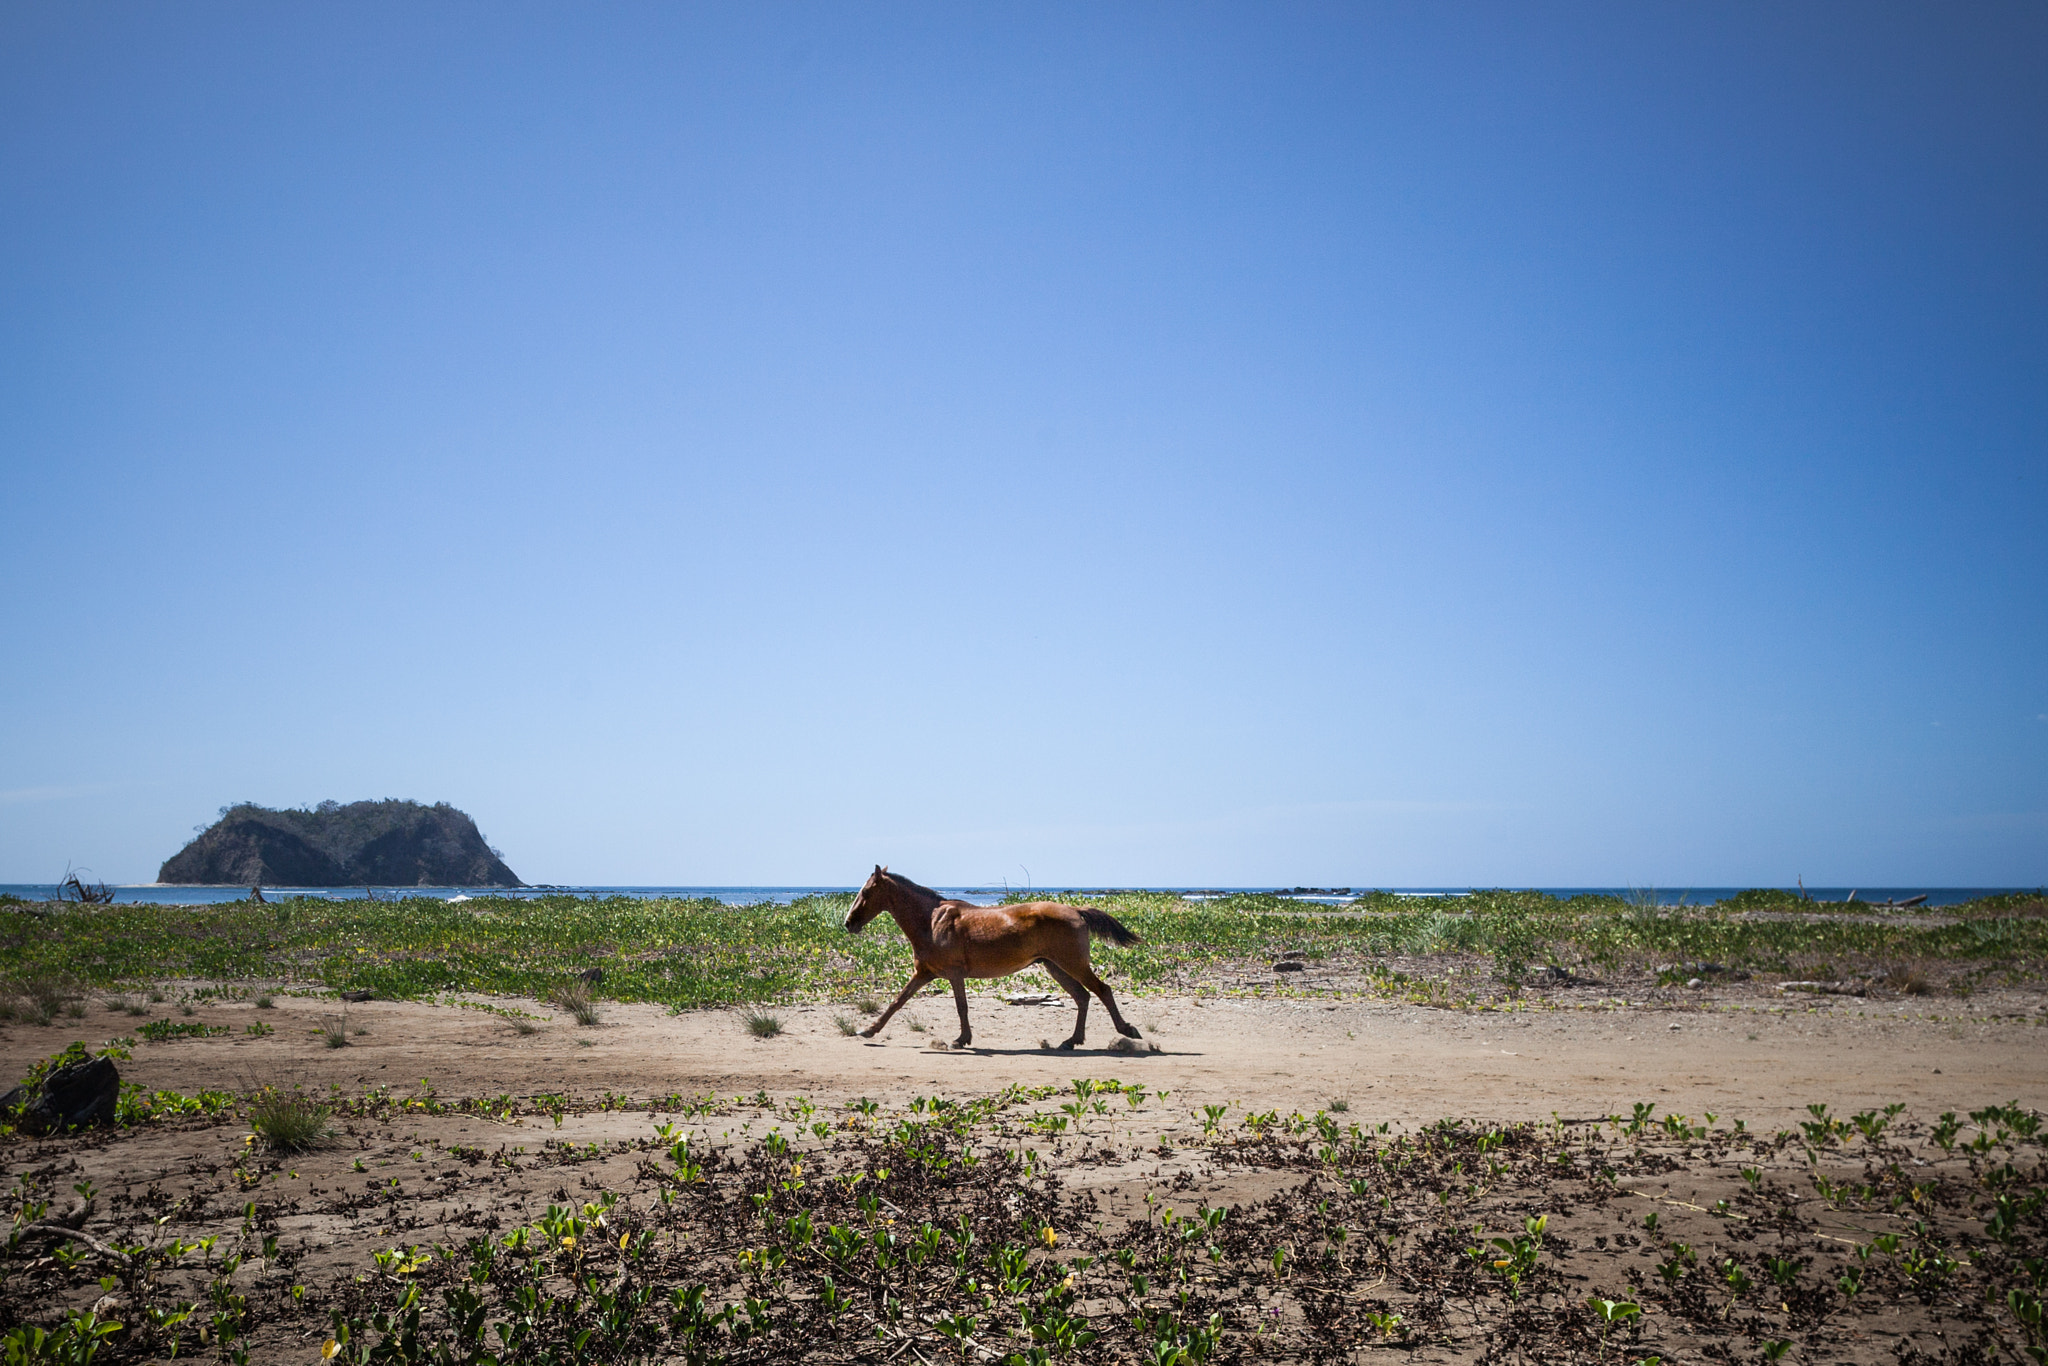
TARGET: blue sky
(1353,444)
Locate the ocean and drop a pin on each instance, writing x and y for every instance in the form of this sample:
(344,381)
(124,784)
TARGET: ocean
(161,894)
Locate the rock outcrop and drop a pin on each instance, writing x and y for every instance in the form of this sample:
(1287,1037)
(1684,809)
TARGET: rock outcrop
(363,844)
(73,1096)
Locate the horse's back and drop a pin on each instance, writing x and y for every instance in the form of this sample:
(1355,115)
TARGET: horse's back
(994,941)
(1017,917)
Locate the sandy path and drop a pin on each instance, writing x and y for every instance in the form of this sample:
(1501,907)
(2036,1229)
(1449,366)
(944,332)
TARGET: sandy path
(1391,1062)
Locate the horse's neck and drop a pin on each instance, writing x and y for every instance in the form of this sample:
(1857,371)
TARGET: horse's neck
(913,914)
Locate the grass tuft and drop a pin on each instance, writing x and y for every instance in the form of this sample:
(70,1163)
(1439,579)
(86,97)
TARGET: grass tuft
(1909,980)
(333,1031)
(575,998)
(846,1024)
(761,1024)
(264,1002)
(41,998)
(289,1121)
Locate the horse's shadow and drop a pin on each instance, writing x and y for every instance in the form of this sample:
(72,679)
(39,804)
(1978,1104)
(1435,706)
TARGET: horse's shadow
(1051,1053)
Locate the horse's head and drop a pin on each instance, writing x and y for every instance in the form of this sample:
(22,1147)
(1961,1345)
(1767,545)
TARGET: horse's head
(870,901)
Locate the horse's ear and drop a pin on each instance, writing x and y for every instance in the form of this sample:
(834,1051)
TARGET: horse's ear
(878,867)
(881,867)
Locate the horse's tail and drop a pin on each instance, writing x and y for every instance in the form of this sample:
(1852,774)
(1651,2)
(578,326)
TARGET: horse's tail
(1103,925)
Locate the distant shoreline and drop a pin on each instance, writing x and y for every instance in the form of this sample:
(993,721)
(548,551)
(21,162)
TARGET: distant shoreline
(181,894)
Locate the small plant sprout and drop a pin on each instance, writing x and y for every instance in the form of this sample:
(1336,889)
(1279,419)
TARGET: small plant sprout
(1514,1258)
(1610,1313)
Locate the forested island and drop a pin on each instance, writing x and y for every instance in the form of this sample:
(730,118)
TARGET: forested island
(363,844)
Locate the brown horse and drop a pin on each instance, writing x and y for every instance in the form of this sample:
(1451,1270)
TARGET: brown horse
(956,941)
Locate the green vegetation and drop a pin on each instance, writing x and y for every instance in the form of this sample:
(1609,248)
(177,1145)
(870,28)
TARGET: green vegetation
(163,1031)
(289,1121)
(698,953)
(947,1231)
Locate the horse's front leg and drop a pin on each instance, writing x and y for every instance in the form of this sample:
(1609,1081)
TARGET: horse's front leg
(960,1003)
(917,980)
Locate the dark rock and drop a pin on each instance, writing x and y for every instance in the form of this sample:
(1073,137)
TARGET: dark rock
(1290,965)
(359,995)
(363,844)
(73,1096)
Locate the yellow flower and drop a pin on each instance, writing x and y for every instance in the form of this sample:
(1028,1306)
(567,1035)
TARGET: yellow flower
(1051,1239)
(328,1349)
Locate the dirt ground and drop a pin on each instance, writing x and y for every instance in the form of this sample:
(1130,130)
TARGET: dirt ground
(1744,1052)
(1751,1053)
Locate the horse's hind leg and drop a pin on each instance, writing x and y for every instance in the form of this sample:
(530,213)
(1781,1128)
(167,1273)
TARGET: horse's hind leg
(917,980)
(1080,995)
(1101,988)
(960,1001)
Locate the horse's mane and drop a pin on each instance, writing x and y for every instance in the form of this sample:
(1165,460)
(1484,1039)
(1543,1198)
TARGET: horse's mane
(915,889)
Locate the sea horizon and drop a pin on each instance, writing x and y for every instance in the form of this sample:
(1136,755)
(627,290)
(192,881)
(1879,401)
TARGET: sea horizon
(184,894)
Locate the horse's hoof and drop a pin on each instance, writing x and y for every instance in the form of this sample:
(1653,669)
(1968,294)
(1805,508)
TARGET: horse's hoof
(1129,1031)
(869,1033)
(962,1041)
(1068,1046)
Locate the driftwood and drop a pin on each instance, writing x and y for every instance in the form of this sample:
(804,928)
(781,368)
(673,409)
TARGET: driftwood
(72,888)
(1826,988)
(69,1227)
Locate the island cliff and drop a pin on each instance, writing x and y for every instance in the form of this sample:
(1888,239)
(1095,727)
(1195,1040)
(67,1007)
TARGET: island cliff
(382,844)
